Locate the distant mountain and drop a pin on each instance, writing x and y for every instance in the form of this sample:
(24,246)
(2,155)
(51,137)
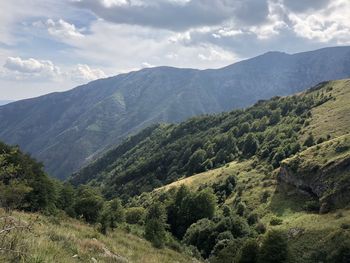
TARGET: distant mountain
(67,130)
(4,102)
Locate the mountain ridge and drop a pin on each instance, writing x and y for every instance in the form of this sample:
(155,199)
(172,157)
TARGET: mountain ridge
(67,130)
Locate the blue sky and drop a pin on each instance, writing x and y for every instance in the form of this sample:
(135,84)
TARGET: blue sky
(50,45)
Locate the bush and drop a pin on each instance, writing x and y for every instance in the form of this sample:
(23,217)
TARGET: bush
(225,251)
(249,252)
(274,248)
(260,228)
(275,221)
(240,209)
(134,215)
(253,218)
(309,141)
(264,197)
(345,226)
(311,206)
(199,235)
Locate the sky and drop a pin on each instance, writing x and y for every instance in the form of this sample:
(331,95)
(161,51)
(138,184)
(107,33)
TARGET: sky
(55,45)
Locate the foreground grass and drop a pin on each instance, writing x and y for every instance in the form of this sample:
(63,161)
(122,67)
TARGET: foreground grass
(68,240)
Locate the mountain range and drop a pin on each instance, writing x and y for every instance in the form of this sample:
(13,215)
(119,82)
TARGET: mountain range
(68,130)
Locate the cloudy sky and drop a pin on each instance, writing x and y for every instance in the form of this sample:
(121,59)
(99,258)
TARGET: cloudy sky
(54,45)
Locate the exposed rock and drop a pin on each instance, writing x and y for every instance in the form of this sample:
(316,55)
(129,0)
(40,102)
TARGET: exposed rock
(116,257)
(326,179)
(295,232)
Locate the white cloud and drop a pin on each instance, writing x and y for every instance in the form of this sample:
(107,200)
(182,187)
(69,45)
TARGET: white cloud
(82,73)
(120,48)
(59,28)
(213,54)
(147,65)
(16,68)
(329,24)
(110,3)
(184,37)
(32,67)
(227,32)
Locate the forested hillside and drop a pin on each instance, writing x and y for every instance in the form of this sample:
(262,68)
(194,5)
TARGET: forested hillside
(67,130)
(269,131)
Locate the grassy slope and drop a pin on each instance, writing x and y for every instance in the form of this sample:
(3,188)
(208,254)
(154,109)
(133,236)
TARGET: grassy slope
(333,117)
(330,118)
(52,240)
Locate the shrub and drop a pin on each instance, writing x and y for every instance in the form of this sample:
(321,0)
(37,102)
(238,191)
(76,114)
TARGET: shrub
(275,221)
(345,226)
(274,248)
(253,218)
(225,251)
(260,228)
(134,215)
(309,141)
(199,235)
(240,209)
(312,206)
(249,252)
(264,197)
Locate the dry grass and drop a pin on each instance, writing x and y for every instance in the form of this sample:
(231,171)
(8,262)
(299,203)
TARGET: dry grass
(333,117)
(68,240)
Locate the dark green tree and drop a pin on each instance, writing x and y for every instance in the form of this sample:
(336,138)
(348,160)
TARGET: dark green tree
(274,248)
(134,215)
(249,252)
(117,212)
(66,199)
(88,204)
(155,225)
(275,117)
(250,145)
(105,218)
(195,163)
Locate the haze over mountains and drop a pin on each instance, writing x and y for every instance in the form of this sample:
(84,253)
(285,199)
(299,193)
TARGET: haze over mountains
(66,130)
(4,102)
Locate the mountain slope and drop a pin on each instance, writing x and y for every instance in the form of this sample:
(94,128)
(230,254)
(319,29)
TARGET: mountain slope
(67,130)
(4,102)
(270,130)
(62,239)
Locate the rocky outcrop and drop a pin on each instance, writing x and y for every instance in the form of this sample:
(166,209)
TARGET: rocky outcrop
(327,180)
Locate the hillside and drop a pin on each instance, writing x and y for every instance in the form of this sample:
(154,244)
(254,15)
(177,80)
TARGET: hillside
(270,130)
(62,239)
(307,197)
(277,207)
(67,130)
(44,220)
